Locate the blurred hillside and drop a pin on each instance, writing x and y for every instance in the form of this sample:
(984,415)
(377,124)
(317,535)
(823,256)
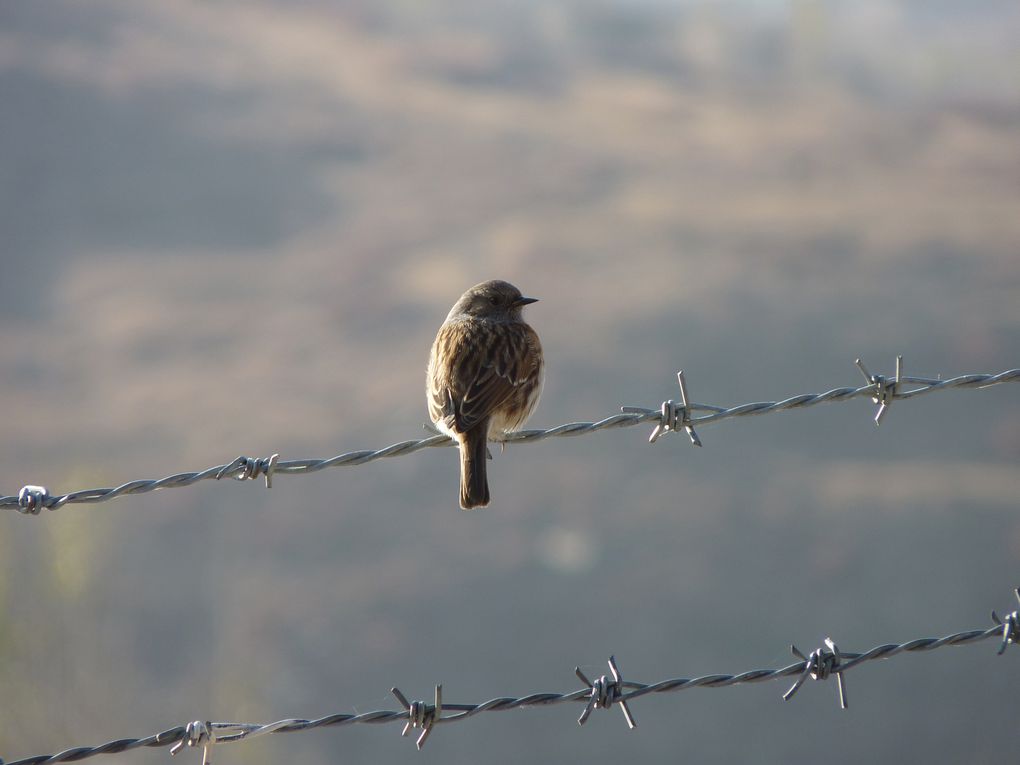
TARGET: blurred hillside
(234,228)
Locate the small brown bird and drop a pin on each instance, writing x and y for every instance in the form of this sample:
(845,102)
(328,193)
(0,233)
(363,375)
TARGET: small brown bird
(484,377)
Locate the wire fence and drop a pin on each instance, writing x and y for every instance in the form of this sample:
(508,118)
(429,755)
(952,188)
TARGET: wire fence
(671,416)
(602,693)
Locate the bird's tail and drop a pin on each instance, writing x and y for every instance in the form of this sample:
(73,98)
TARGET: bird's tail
(474,487)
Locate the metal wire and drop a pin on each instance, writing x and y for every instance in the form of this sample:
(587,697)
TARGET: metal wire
(669,417)
(602,693)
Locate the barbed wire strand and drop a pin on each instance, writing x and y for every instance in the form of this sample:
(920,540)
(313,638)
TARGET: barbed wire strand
(671,416)
(603,693)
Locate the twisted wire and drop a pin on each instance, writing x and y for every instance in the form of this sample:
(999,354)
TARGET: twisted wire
(618,691)
(33,498)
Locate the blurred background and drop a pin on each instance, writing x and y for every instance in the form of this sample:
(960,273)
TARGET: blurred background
(234,228)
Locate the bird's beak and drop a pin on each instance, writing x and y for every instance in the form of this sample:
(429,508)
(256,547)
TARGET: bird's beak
(521,301)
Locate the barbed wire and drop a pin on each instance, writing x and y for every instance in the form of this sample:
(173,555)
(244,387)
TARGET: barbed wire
(602,693)
(671,416)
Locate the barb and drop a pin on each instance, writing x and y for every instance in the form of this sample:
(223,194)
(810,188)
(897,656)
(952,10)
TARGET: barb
(32,499)
(420,714)
(1010,626)
(669,417)
(673,416)
(197,733)
(250,468)
(818,666)
(603,693)
(885,391)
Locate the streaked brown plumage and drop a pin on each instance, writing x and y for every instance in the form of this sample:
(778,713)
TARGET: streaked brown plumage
(484,377)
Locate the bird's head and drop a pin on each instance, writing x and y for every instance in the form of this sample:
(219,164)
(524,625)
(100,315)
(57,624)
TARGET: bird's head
(493,299)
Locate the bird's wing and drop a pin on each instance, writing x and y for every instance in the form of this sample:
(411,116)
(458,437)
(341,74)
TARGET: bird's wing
(472,379)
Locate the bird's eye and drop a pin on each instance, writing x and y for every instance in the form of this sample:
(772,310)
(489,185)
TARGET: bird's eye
(493,299)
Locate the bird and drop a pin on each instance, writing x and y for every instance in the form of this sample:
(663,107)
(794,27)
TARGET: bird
(484,378)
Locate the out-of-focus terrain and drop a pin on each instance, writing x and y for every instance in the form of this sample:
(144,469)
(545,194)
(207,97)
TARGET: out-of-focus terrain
(234,228)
